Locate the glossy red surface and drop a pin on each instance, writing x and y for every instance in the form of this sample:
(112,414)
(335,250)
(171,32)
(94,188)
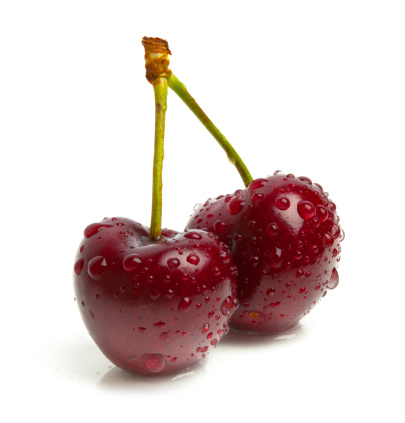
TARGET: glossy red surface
(284,236)
(153,308)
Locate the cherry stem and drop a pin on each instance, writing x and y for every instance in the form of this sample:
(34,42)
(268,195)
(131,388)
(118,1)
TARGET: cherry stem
(160,90)
(180,89)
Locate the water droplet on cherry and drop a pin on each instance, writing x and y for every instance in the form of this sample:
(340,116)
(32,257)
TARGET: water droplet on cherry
(235,205)
(227,306)
(193,259)
(185,304)
(173,263)
(94,228)
(334,279)
(131,262)
(272,229)
(96,268)
(321,213)
(282,203)
(258,183)
(78,266)
(306,210)
(155,363)
(219,226)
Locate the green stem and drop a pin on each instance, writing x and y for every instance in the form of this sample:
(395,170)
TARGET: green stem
(160,89)
(180,89)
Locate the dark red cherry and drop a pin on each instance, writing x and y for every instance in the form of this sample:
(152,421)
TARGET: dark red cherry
(145,303)
(284,236)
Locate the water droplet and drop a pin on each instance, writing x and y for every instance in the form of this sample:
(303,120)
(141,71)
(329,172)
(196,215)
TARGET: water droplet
(278,172)
(335,231)
(319,186)
(342,235)
(78,266)
(305,180)
(96,268)
(193,259)
(317,286)
(276,304)
(227,306)
(332,206)
(275,258)
(185,304)
(258,183)
(131,262)
(257,197)
(155,363)
(81,248)
(282,203)
(205,328)
(214,342)
(321,213)
(192,235)
(164,336)
(272,229)
(94,228)
(306,210)
(328,239)
(225,257)
(219,226)
(173,263)
(216,271)
(290,175)
(154,294)
(270,291)
(235,205)
(302,289)
(334,279)
(159,323)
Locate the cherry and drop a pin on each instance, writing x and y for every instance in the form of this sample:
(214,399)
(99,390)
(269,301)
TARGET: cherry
(154,301)
(153,307)
(284,236)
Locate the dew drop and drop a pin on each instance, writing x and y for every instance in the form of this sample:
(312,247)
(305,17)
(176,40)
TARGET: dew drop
(219,226)
(334,279)
(78,266)
(275,258)
(276,304)
(227,306)
(94,228)
(155,363)
(321,213)
(235,205)
(131,262)
(272,230)
(192,235)
(306,210)
(193,259)
(332,206)
(185,304)
(282,203)
(305,180)
(335,231)
(258,183)
(173,263)
(328,239)
(97,267)
(257,197)
(205,328)
(278,172)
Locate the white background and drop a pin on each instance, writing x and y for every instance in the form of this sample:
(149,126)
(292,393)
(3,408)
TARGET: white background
(314,88)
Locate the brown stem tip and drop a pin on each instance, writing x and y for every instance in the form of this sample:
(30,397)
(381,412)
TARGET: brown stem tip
(156,58)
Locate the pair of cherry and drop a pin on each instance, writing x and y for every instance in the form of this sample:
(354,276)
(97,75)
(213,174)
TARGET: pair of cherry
(157,301)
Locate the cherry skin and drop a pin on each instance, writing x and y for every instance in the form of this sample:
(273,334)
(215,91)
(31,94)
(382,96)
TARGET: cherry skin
(284,236)
(153,307)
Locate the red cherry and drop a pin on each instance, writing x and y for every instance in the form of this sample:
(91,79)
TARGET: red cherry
(137,306)
(285,246)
